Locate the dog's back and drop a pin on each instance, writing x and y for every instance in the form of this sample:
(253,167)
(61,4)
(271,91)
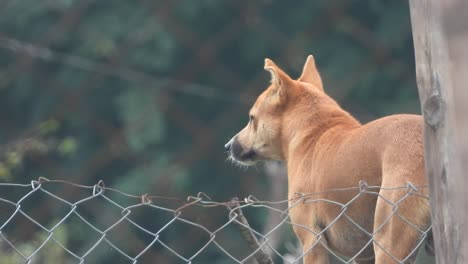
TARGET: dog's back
(390,145)
(387,152)
(367,151)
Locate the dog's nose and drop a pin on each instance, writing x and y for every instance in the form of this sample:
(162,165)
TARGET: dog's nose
(227,147)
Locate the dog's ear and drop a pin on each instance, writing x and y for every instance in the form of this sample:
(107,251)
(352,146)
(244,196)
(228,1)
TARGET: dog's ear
(310,73)
(279,78)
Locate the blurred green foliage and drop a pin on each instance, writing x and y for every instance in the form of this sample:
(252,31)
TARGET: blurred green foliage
(51,253)
(170,82)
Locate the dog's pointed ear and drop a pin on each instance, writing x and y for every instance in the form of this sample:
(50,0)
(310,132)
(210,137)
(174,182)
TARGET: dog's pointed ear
(310,73)
(278,77)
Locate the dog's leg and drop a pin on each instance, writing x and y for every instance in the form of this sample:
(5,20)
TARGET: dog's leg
(317,255)
(369,261)
(396,226)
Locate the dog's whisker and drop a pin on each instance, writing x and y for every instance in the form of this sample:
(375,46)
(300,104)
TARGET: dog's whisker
(256,168)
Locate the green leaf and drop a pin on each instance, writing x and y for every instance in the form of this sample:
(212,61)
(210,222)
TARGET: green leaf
(5,173)
(13,159)
(49,126)
(68,146)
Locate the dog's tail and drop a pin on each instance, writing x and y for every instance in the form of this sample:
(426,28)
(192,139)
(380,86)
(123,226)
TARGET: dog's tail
(430,244)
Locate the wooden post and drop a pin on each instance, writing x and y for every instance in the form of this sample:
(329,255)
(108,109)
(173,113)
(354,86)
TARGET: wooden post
(440,33)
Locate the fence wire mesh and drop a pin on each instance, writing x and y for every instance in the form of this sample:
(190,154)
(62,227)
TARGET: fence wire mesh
(103,235)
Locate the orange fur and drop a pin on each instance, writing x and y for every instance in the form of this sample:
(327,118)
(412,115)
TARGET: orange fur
(326,148)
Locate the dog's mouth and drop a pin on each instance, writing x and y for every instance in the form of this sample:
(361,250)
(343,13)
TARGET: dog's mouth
(247,160)
(240,155)
(249,155)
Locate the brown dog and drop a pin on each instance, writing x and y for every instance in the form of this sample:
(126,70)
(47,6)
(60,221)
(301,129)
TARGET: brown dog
(326,148)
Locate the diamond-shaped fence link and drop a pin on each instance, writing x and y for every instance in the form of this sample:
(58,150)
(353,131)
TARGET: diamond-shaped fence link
(158,237)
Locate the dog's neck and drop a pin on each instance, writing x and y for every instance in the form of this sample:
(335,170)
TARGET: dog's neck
(324,116)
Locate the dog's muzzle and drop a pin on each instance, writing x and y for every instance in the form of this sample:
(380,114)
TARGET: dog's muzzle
(237,152)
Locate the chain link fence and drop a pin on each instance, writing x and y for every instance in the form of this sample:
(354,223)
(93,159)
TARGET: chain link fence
(107,235)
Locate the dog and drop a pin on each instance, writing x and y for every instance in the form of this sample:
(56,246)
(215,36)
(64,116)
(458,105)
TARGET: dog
(326,148)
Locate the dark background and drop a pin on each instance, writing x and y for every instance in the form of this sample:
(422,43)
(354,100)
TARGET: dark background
(144,94)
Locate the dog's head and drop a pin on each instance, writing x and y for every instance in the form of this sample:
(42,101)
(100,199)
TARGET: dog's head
(261,138)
